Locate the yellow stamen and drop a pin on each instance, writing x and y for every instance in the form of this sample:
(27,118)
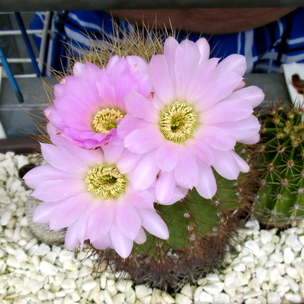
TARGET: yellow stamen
(105,120)
(106,181)
(178,122)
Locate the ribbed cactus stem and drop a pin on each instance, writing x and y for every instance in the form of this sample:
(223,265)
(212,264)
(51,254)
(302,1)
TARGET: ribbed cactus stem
(280,198)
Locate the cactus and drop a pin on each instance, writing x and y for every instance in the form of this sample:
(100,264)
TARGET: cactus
(281,195)
(201,232)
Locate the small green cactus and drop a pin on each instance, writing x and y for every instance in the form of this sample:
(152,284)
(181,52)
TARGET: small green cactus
(281,195)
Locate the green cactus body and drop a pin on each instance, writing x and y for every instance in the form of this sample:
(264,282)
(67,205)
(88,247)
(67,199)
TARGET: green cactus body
(200,233)
(281,195)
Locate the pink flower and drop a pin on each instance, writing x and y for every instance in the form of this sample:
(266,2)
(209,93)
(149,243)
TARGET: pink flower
(84,191)
(89,105)
(198,113)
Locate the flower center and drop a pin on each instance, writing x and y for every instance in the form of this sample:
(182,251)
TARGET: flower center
(106,181)
(105,120)
(178,122)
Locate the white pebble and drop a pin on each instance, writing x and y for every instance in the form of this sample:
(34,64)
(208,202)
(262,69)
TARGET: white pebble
(182,299)
(261,274)
(292,283)
(142,291)
(288,255)
(187,290)
(124,285)
(221,298)
(293,298)
(266,236)
(20,255)
(119,298)
(65,255)
(252,247)
(292,241)
(47,268)
(6,217)
(89,285)
(277,257)
(205,297)
(273,298)
(252,301)
(252,294)
(42,249)
(229,278)
(239,267)
(292,272)
(214,288)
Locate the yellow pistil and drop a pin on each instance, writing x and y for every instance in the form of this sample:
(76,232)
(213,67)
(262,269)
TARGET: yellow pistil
(178,122)
(106,181)
(105,120)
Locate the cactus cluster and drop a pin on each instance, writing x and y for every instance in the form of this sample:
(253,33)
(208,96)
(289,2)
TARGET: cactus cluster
(280,198)
(201,230)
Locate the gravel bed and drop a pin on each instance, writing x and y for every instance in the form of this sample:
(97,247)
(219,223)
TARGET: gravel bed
(268,268)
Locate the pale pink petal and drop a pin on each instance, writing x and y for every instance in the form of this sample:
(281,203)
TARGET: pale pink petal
(100,222)
(179,194)
(71,237)
(161,82)
(137,63)
(245,130)
(78,68)
(244,167)
(128,124)
(219,89)
(43,211)
(61,159)
(91,157)
(128,162)
(121,243)
(103,243)
(226,165)
(106,90)
(165,187)
(141,236)
(145,172)
(232,110)
(76,232)
(111,65)
(217,138)
(186,170)
(69,211)
(143,140)
(37,175)
(166,155)
(202,80)
(204,49)
(128,220)
(206,185)
(187,57)
(54,190)
(153,223)
(141,199)
(233,63)
(201,149)
(252,93)
(112,152)
(170,46)
(140,107)
(251,139)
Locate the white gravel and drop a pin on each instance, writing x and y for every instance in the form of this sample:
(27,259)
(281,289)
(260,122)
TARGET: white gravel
(267,269)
